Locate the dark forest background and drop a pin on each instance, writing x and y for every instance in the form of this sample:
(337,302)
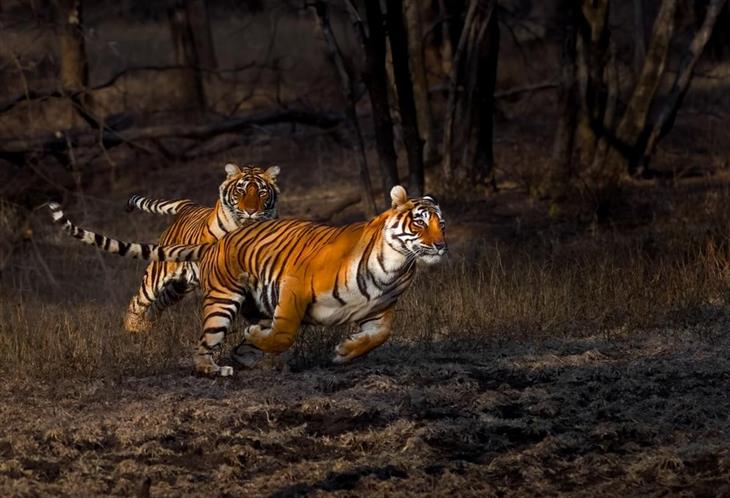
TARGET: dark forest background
(570,100)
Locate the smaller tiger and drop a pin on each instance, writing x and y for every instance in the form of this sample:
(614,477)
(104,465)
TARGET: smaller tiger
(247,194)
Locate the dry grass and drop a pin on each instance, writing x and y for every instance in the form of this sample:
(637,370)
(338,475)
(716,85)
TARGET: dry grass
(62,303)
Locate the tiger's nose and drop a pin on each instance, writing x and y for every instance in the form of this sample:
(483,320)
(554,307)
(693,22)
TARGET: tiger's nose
(440,246)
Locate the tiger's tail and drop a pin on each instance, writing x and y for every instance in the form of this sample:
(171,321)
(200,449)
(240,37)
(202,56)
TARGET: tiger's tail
(151,252)
(156,206)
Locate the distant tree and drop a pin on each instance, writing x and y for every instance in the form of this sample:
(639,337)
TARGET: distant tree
(372,37)
(420,83)
(468,128)
(347,84)
(197,13)
(193,44)
(74,66)
(398,37)
(595,143)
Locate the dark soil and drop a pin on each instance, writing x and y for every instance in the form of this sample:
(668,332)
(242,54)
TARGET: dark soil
(618,417)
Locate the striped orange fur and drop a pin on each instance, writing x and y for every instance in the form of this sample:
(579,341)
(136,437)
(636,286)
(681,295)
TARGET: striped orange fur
(300,272)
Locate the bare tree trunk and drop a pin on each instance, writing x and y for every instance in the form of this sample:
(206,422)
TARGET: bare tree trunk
(668,113)
(591,57)
(406,102)
(561,169)
(74,66)
(610,77)
(186,54)
(639,35)
(199,20)
(628,151)
(72,49)
(420,83)
(376,81)
(447,49)
(468,135)
(349,91)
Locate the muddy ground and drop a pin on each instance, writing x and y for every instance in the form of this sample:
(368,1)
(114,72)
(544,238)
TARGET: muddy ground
(603,416)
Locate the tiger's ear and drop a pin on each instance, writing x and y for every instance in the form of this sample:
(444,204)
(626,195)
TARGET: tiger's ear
(431,198)
(232,169)
(272,172)
(399,196)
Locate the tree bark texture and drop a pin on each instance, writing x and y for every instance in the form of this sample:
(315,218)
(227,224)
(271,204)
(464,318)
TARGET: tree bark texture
(418,71)
(627,152)
(591,54)
(639,35)
(72,50)
(664,120)
(406,103)
(468,134)
(348,90)
(186,54)
(561,168)
(199,20)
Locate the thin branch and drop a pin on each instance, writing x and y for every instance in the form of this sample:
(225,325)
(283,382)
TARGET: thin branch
(59,141)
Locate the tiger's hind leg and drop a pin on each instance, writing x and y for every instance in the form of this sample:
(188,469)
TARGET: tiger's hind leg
(161,288)
(373,332)
(219,310)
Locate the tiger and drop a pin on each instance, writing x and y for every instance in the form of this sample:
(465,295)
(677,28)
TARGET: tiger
(247,194)
(301,272)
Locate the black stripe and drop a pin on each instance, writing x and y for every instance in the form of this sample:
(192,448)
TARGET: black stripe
(335,290)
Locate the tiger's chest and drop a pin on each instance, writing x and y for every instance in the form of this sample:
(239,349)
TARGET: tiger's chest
(366,292)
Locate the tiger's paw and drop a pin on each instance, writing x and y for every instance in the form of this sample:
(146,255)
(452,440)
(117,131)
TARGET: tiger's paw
(206,367)
(252,331)
(224,371)
(340,359)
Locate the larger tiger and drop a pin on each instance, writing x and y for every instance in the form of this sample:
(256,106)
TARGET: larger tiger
(247,194)
(302,272)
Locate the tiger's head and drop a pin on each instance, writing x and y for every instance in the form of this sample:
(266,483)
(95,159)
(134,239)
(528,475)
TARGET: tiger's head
(250,193)
(415,226)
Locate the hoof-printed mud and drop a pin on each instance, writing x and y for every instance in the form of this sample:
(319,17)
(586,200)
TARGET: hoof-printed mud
(585,417)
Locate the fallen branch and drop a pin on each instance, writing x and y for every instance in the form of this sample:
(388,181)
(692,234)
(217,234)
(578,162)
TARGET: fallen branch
(62,140)
(511,92)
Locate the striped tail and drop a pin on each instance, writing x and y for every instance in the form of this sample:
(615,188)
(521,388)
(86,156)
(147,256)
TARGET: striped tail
(156,206)
(151,252)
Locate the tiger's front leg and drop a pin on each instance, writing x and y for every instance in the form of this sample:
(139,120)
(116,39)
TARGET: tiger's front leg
(373,332)
(288,316)
(219,311)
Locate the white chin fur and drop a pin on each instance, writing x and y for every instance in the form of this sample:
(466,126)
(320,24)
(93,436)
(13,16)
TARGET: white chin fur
(430,259)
